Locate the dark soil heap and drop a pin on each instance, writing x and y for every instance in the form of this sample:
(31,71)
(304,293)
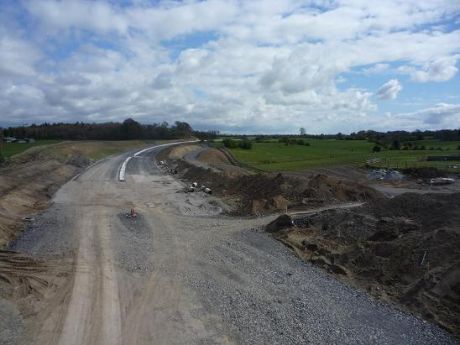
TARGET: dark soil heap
(405,249)
(262,193)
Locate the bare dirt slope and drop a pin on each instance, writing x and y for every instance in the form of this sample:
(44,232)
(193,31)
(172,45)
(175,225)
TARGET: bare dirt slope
(179,274)
(30,179)
(27,184)
(205,157)
(263,193)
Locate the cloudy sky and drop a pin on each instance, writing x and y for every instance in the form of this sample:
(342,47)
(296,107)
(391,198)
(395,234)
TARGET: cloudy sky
(247,66)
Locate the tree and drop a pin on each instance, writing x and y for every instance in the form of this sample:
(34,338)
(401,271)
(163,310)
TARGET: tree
(245,144)
(131,129)
(183,129)
(396,145)
(302,131)
(230,143)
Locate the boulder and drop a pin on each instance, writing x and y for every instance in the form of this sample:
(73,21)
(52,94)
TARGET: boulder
(282,222)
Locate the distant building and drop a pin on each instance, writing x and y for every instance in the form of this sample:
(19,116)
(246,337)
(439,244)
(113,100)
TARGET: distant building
(19,141)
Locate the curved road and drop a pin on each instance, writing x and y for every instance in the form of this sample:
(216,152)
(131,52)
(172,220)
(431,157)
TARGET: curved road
(181,274)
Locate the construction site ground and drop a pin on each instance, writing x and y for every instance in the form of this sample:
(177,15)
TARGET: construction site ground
(181,272)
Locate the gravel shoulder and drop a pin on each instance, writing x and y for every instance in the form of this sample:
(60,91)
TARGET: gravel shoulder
(181,273)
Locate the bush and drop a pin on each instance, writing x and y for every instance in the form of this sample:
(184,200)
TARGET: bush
(230,143)
(376,148)
(245,144)
(288,141)
(233,144)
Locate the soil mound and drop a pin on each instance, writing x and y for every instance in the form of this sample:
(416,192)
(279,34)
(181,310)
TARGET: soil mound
(178,152)
(213,157)
(325,188)
(262,193)
(405,249)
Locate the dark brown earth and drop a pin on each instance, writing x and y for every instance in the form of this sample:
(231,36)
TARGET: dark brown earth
(405,249)
(263,193)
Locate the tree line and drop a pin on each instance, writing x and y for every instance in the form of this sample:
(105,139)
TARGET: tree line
(127,130)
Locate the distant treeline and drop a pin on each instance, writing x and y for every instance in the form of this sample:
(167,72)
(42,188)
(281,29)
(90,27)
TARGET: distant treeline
(128,129)
(386,138)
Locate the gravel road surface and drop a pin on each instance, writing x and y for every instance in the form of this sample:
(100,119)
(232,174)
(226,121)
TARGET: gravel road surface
(180,273)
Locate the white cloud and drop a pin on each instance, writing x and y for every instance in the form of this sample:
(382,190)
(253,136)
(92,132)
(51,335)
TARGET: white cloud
(376,69)
(389,90)
(438,70)
(441,114)
(264,65)
(84,14)
(17,56)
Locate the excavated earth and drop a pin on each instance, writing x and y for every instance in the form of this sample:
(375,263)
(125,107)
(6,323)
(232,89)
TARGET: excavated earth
(405,250)
(263,193)
(180,272)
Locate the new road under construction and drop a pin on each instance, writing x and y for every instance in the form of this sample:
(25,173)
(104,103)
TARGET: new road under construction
(126,253)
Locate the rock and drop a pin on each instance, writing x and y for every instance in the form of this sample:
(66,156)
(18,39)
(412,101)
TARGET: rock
(283,221)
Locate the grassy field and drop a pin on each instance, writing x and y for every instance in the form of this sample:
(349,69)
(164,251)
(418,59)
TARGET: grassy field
(275,156)
(11,149)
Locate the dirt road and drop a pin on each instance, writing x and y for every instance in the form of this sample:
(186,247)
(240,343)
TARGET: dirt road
(181,274)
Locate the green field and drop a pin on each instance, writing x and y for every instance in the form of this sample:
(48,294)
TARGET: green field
(11,149)
(274,156)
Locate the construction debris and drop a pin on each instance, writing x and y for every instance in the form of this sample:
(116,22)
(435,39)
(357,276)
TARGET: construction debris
(441,181)
(132,214)
(385,175)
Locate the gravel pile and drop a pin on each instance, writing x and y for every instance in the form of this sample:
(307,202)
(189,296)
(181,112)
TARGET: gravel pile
(49,233)
(268,296)
(133,242)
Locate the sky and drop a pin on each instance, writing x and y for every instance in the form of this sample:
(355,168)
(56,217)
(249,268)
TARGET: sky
(249,66)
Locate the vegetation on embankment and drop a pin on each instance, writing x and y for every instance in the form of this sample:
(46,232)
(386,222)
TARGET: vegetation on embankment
(11,149)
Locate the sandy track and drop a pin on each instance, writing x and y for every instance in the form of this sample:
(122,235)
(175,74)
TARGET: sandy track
(180,274)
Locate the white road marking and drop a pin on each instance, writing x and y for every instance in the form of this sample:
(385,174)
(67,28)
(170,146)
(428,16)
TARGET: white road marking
(122,172)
